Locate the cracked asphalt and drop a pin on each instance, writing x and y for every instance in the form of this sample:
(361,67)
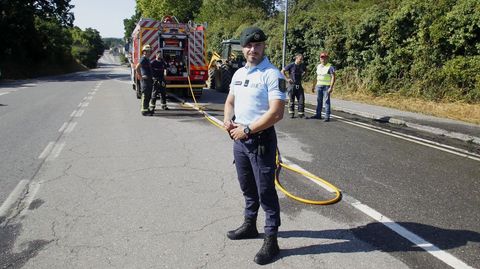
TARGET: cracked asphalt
(126,191)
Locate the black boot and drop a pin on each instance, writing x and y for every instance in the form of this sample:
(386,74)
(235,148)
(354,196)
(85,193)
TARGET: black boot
(268,251)
(246,231)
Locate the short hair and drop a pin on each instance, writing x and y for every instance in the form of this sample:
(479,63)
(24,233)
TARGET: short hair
(298,55)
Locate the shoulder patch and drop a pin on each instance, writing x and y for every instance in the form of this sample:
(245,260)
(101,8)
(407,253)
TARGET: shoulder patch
(282,85)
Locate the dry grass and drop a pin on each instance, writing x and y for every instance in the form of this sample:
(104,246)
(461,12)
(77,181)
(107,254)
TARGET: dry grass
(457,111)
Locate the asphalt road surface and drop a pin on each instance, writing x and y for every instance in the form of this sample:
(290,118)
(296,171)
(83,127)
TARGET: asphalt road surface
(87,182)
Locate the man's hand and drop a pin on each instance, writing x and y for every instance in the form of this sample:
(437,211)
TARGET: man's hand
(237,133)
(290,81)
(229,125)
(330,90)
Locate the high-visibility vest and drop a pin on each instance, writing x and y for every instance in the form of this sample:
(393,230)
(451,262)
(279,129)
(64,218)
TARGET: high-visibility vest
(323,77)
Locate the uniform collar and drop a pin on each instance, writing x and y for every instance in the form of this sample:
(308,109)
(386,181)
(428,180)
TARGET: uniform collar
(261,66)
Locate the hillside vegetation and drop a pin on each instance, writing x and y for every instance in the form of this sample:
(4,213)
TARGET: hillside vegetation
(39,39)
(411,48)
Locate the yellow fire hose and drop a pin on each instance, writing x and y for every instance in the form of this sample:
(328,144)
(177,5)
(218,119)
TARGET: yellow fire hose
(338,194)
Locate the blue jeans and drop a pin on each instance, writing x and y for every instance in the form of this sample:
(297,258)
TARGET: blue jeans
(323,97)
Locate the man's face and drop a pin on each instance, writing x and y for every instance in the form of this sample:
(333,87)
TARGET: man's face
(299,59)
(254,52)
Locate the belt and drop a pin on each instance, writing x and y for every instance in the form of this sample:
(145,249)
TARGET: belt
(263,133)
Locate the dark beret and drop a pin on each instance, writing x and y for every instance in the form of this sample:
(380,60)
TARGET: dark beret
(252,34)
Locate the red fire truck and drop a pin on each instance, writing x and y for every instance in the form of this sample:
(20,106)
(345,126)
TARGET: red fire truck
(183,48)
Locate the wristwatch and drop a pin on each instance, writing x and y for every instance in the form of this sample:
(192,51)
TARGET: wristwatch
(247,130)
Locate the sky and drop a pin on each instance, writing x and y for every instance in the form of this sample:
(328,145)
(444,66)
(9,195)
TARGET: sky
(106,16)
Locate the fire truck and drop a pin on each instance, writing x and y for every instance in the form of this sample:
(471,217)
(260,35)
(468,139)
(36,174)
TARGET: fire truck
(183,48)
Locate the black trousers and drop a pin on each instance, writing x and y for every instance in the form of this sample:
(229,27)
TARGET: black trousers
(256,174)
(159,89)
(146,85)
(296,91)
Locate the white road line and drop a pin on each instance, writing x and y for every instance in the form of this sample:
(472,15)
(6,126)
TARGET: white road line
(46,151)
(3,93)
(85,104)
(70,127)
(32,192)
(57,149)
(79,113)
(414,139)
(88,98)
(73,113)
(63,127)
(415,239)
(13,197)
(419,139)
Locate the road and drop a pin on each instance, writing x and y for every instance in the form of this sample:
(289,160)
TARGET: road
(87,182)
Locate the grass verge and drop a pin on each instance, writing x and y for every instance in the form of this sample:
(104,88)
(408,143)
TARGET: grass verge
(457,111)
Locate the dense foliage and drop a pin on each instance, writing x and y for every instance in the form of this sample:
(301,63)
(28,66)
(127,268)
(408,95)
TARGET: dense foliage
(428,49)
(87,46)
(38,36)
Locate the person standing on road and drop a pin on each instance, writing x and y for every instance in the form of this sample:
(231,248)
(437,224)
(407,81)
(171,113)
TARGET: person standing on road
(254,104)
(296,71)
(159,86)
(144,74)
(323,83)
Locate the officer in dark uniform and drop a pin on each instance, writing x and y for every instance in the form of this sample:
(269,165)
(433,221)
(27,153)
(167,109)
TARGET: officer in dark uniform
(296,71)
(159,86)
(144,74)
(254,104)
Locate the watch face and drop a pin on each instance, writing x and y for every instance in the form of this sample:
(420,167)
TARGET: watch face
(246,130)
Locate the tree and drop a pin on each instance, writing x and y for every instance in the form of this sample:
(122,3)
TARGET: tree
(183,10)
(87,46)
(129,24)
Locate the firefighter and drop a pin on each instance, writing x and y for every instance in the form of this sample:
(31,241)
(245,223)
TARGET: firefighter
(144,74)
(254,104)
(159,86)
(296,71)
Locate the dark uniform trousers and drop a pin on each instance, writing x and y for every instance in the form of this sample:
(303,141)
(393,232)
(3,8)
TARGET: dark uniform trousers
(256,167)
(146,85)
(159,89)
(296,91)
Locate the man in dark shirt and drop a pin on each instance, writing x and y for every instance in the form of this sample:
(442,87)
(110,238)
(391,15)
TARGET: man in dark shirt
(159,86)
(296,71)
(144,74)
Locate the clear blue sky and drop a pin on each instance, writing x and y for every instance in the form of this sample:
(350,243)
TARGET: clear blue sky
(106,16)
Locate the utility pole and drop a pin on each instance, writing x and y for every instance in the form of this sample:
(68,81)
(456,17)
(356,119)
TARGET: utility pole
(284,50)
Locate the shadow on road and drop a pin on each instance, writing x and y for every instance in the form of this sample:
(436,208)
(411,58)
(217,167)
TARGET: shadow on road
(379,236)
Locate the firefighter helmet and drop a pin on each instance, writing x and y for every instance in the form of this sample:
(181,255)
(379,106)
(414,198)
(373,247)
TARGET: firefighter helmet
(146,47)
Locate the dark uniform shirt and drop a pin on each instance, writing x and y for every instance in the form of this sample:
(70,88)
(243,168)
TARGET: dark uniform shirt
(158,68)
(145,67)
(295,71)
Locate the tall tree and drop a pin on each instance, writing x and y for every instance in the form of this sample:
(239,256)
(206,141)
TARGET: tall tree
(129,24)
(184,10)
